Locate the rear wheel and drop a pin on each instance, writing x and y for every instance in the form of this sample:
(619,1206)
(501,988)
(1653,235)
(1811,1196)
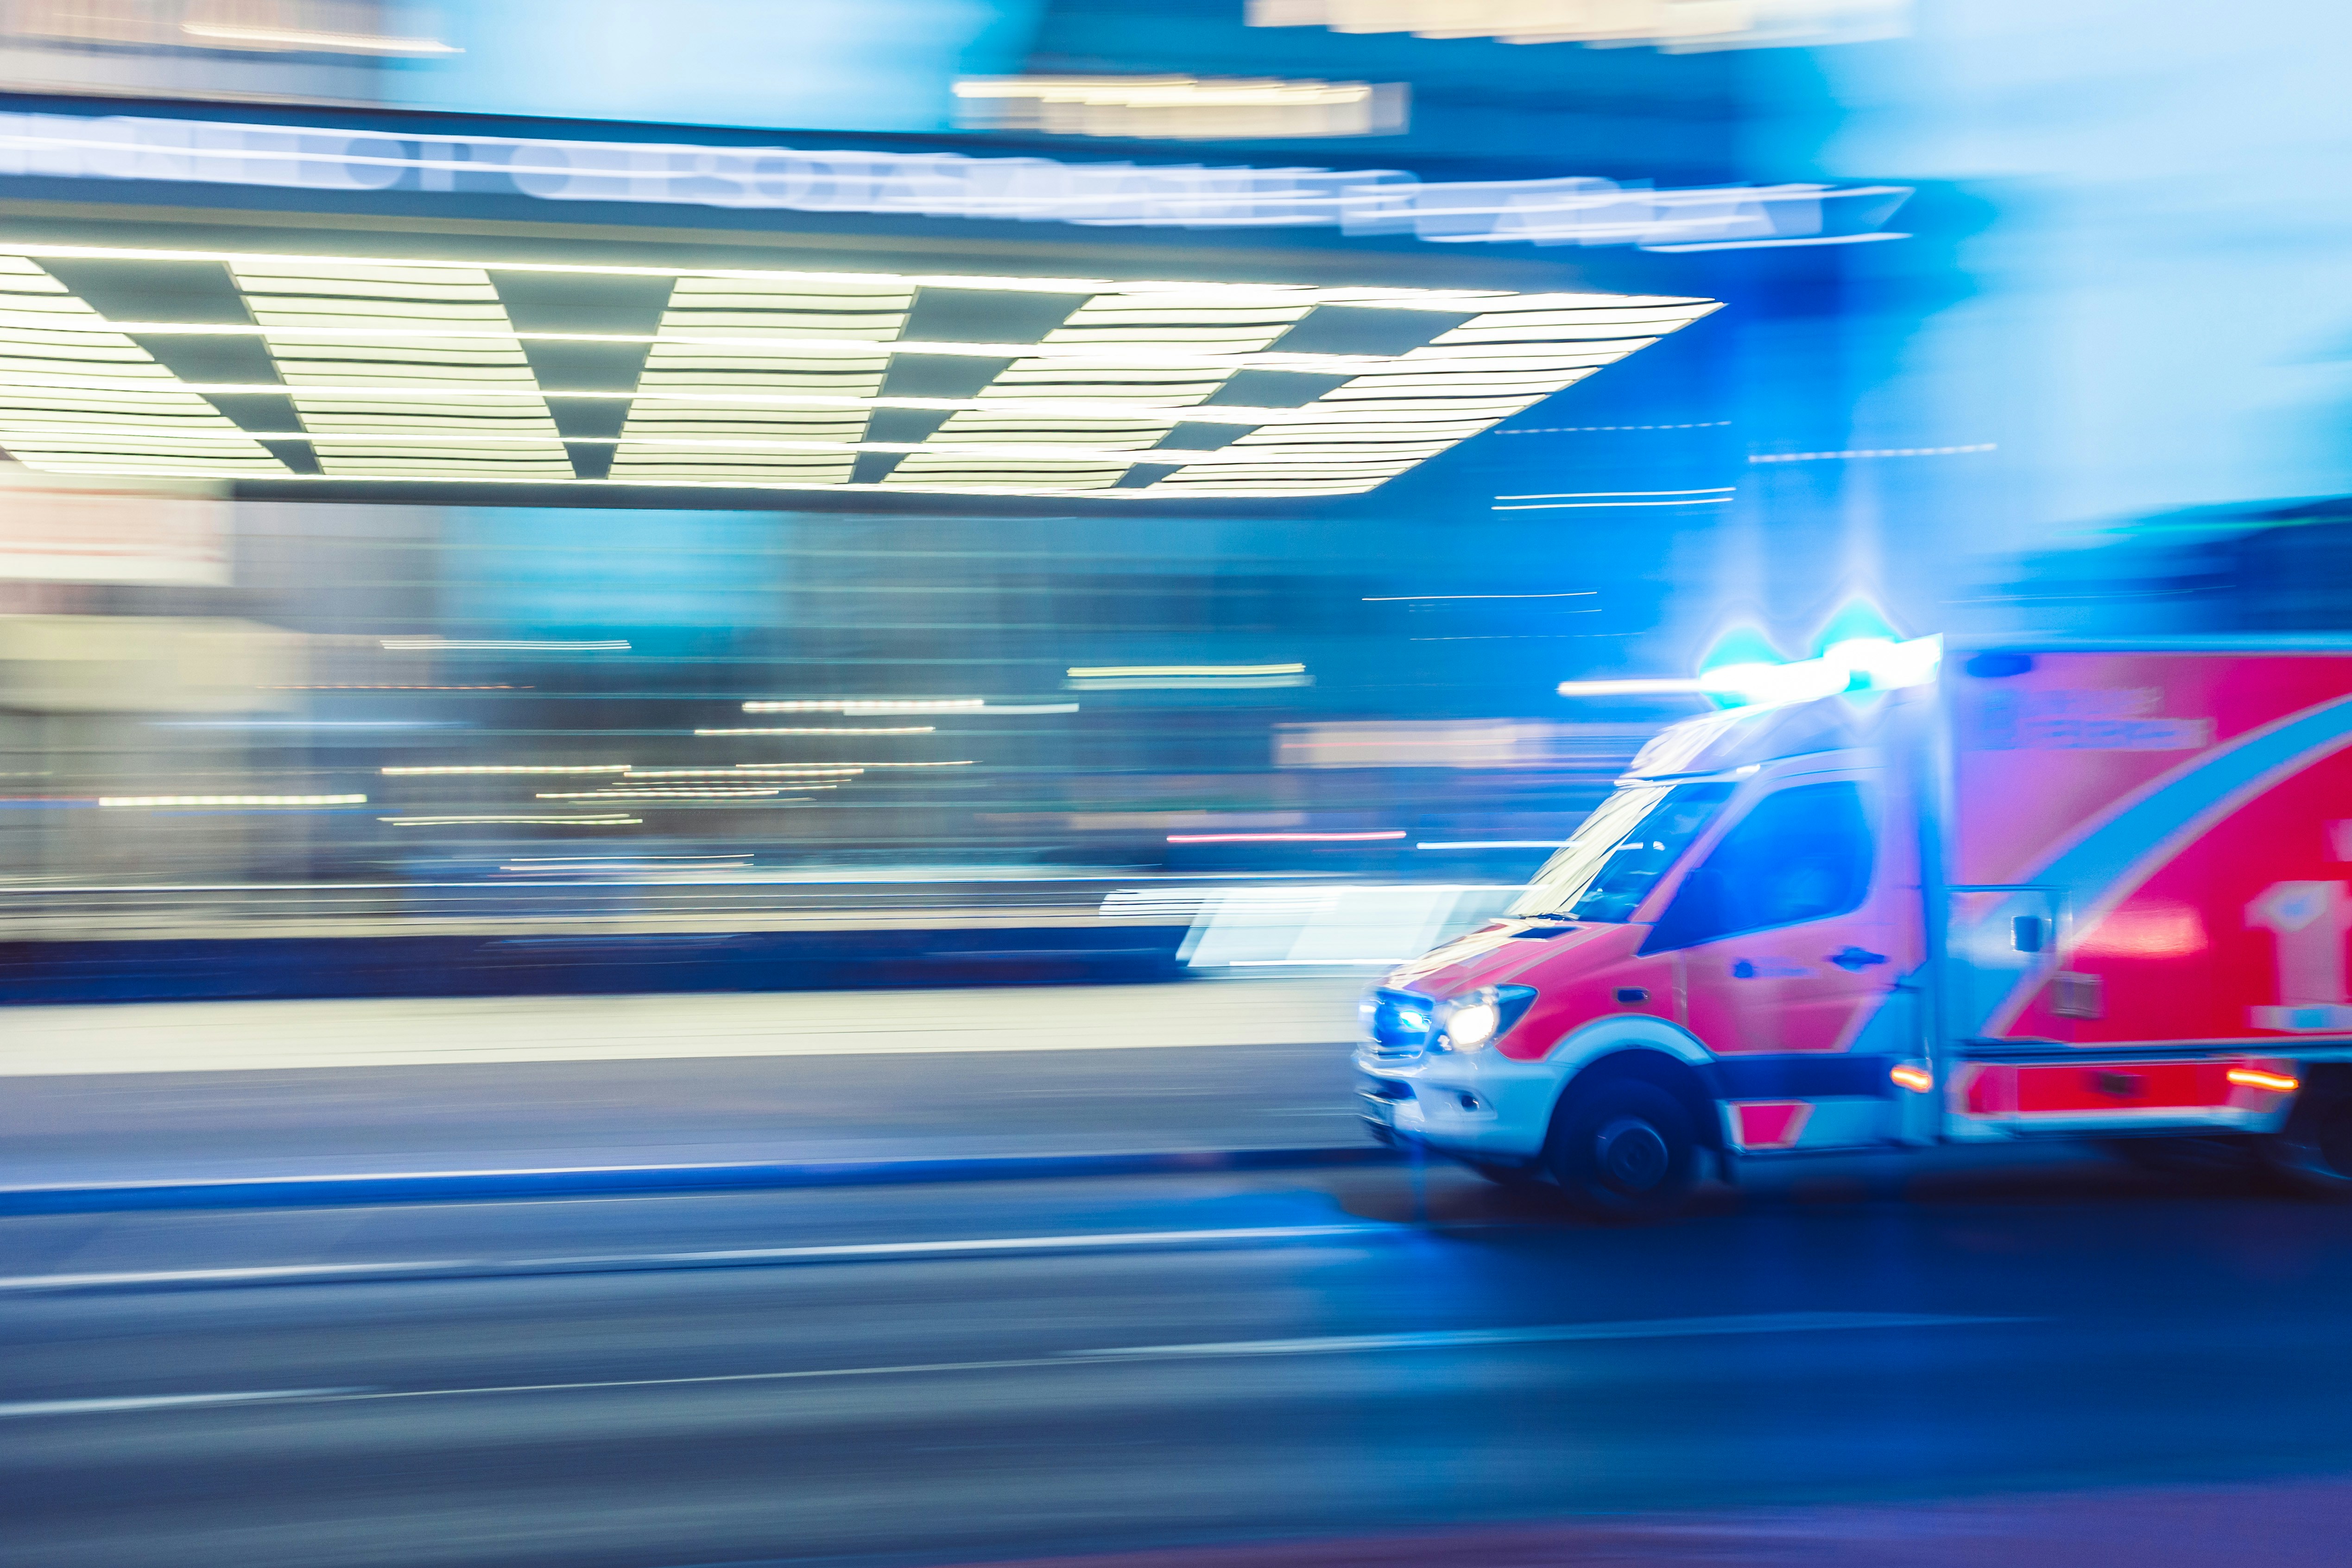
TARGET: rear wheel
(1624,1150)
(2314,1151)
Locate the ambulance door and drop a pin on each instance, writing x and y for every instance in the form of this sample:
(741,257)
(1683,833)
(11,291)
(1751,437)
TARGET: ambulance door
(1793,933)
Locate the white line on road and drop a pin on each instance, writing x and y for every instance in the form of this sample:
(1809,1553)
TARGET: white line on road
(1442,1338)
(164,1401)
(877,1251)
(258,1275)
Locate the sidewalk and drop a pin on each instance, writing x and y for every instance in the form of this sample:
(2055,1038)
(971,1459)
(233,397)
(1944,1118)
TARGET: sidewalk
(222,1092)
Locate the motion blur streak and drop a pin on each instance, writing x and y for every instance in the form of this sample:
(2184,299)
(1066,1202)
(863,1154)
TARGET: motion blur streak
(1230,784)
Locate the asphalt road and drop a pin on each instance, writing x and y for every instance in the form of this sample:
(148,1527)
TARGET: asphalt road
(1029,1369)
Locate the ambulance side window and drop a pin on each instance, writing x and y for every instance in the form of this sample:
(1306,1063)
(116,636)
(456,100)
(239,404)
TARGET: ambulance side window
(1801,855)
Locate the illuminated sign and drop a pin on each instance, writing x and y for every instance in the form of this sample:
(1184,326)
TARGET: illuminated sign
(239,365)
(1571,211)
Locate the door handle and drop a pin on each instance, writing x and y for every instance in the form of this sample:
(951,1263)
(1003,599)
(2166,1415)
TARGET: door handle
(1854,960)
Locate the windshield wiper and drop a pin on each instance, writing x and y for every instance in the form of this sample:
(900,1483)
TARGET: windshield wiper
(1571,918)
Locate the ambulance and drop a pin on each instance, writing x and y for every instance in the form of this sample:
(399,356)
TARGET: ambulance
(1901,897)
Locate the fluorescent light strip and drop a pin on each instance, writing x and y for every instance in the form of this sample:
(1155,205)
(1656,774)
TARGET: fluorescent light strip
(1475,409)
(748,771)
(1775,244)
(763,483)
(1592,505)
(632,859)
(437,331)
(607,821)
(270,800)
(496,645)
(493,768)
(869,705)
(327,43)
(1452,302)
(680,793)
(1034,451)
(1134,671)
(1136,353)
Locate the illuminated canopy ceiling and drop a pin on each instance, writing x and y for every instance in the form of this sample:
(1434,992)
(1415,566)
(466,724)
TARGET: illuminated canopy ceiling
(240,366)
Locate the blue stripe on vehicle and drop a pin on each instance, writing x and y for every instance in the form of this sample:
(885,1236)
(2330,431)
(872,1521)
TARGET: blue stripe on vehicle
(2121,854)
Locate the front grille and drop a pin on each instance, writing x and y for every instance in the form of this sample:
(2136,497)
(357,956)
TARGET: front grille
(1399,1025)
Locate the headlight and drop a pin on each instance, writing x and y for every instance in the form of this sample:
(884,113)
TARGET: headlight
(1475,1021)
(1471,1026)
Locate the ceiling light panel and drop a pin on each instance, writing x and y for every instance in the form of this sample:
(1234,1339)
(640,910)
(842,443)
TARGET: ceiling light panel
(1158,352)
(331,325)
(414,370)
(733,336)
(76,398)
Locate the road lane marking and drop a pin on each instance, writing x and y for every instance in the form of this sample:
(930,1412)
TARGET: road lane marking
(876,1251)
(220,1275)
(163,1401)
(1440,1339)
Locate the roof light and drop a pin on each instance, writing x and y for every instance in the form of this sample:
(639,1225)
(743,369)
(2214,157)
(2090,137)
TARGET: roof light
(1856,665)
(1753,685)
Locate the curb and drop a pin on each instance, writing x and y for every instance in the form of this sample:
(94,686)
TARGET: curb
(448,1186)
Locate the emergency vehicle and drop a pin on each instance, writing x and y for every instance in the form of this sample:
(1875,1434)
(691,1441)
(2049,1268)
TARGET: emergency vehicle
(1911,900)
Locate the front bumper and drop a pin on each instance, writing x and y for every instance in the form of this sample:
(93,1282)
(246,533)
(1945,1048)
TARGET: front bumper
(1474,1104)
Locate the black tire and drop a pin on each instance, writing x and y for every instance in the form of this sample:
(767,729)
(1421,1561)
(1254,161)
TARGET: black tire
(2314,1152)
(1623,1150)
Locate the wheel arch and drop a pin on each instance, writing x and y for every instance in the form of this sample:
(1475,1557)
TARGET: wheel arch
(1639,1046)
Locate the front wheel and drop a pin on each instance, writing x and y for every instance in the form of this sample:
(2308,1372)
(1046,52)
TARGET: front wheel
(1624,1150)
(2314,1151)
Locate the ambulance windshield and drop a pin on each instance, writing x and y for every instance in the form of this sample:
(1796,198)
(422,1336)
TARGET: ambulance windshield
(1624,846)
